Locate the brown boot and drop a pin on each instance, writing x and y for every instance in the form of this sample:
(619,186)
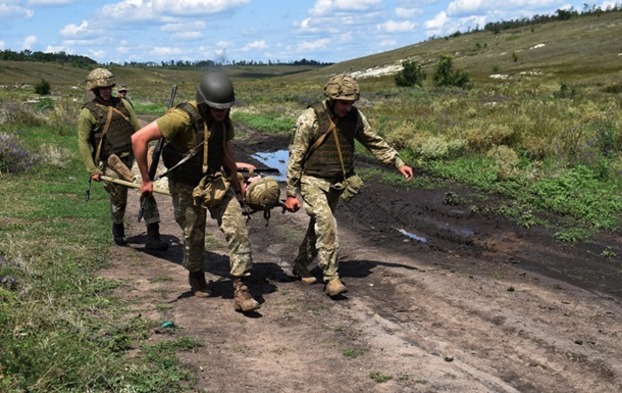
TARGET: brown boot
(335,287)
(154,243)
(302,272)
(244,302)
(198,286)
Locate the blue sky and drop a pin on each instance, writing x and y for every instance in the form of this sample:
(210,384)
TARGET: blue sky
(235,30)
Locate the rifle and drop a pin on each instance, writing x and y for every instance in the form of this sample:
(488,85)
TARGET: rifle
(155,160)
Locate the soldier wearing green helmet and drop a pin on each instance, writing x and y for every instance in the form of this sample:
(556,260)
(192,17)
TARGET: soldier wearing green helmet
(105,125)
(200,132)
(321,168)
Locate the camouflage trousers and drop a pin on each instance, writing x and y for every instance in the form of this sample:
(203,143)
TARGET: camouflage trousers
(321,239)
(192,220)
(118,202)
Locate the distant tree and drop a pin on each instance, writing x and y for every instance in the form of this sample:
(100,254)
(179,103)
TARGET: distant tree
(446,75)
(43,87)
(410,75)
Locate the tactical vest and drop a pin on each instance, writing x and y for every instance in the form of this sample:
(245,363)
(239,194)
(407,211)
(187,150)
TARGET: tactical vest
(191,171)
(118,138)
(324,161)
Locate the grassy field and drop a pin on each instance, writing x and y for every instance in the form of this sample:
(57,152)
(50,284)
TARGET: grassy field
(542,125)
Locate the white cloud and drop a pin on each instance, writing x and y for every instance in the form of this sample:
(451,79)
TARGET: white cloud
(188,35)
(321,43)
(259,44)
(50,2)
(324,7)
(8,11)
(165,51)
(57,49)
(392,26)
(2,44)
(73,30)
(470,7)
(407,12)
(28,42)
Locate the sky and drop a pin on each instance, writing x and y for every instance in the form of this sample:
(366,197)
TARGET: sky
(328,31)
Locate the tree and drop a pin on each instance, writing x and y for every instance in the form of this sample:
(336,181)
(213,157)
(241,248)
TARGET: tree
(410,75)
(446,75)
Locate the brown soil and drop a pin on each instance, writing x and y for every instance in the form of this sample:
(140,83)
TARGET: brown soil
(477,304)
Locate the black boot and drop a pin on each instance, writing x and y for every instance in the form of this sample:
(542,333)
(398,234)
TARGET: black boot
(198,285)
(118,234)
(153,239)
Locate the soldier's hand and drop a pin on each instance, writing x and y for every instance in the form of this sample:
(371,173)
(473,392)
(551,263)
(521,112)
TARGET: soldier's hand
(96,176)
(292,204)
(407,172)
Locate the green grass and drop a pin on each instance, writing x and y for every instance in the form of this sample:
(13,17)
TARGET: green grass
(63,330)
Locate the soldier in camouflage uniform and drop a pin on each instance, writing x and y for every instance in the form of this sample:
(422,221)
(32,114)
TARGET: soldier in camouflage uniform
(105,126)
(318,172)
(184,128)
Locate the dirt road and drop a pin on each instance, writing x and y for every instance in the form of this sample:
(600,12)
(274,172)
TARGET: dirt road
(442,297)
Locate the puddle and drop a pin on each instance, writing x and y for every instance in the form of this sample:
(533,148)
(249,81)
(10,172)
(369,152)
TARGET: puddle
(412,235)
(277,160)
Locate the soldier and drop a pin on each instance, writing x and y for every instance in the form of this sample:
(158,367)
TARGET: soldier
(321,167)
(122,93)
(202,126)
(105,126)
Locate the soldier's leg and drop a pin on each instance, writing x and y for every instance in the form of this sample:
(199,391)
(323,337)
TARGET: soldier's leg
(320,206)
(191,220)
(118,204)
(152,220)
(231,222)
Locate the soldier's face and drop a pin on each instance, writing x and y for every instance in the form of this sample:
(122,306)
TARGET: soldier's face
(219,114)
(342,107)
(105,93)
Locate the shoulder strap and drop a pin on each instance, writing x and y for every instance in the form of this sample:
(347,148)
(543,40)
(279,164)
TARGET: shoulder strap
(321,112)
(104,132)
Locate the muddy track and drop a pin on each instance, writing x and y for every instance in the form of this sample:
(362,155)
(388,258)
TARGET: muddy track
(481,306)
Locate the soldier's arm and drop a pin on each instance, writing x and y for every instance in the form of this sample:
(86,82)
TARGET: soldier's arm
(86,122)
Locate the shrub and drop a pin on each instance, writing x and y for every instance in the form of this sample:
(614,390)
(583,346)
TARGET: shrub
(43,88)
(410,75)
(13,157)
(446,75)
(506,160)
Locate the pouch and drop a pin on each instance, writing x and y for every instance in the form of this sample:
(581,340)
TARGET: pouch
(211,190)
(351,186)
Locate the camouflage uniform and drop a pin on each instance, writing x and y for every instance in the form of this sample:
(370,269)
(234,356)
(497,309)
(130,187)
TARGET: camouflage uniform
(87,125)
(321,194)
(177,128)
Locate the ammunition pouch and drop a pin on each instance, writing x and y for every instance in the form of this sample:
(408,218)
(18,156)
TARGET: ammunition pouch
(351,186)
(211,190)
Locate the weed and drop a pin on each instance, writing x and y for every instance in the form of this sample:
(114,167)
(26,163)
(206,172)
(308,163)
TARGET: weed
(350,352)
(608,253)
(379,377)
(14,157)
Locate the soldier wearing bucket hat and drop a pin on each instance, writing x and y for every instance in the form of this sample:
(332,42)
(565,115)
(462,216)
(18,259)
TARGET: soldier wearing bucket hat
(105,125)
(321,168)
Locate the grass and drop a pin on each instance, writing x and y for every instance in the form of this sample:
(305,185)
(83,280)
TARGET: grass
(546,139)
(63,330)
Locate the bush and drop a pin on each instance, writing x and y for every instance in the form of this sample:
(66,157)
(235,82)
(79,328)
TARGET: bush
(446,75)
(43,88)
(13,157)
(410,75)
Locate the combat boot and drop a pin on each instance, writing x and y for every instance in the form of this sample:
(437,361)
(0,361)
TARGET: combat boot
(153,238)
(244,302)
(198,286)
(302,272)
(335,287)
(118,234)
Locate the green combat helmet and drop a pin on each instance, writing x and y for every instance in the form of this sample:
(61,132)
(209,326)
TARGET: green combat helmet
(342,87)
(216,90)
(99,77)
(262,195)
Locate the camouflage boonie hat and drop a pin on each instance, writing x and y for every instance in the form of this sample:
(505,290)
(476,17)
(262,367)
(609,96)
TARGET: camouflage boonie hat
(342,87)
(99,77)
